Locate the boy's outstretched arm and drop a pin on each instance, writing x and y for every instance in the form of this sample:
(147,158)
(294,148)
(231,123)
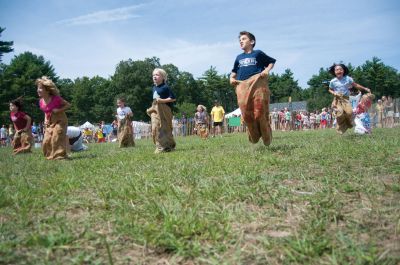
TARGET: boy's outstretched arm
(265,72)
(232,79)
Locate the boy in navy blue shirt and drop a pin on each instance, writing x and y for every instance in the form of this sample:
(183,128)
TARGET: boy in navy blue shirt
(161,114)
(250,76)
(251,61)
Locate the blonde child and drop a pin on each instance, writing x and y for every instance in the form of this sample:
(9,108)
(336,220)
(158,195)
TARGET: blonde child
(161,113)
(201,121)
(55,120)
(362,119)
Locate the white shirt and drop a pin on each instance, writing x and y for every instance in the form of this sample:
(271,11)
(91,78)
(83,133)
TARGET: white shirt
(342,86)
(122,112)
(3,133)
(354,100)
(73,131)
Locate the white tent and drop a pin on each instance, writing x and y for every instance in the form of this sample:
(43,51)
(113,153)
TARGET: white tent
(235,113)
(87,125)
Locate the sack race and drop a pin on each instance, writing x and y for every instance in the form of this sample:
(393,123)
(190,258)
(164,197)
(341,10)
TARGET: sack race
(125,133)
(253,100)
(161,127)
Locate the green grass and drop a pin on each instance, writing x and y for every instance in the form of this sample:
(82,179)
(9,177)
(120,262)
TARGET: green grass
(310,198)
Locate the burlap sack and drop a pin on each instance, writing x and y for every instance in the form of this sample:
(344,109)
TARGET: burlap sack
(22,142)
(161,127)
(125,133)
(54,144)
(344,114)
(253,100)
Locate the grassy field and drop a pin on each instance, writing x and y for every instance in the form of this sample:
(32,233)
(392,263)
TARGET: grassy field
(310,198)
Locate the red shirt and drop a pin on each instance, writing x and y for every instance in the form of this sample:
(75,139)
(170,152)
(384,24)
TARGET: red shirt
(363,106)
(18,118)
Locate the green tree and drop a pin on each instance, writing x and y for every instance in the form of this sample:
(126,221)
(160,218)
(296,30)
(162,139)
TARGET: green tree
(92,100)
(5,46)
(66,87)
(317,94)
(216,87)
(187,108)
(187,89)
(82,101)
(133,81)
(380,78)
(18,79)
(173,74)
(284,86)
(104,103)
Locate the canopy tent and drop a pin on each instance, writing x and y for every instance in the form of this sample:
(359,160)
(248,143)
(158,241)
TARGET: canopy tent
(235,113)
(87,125)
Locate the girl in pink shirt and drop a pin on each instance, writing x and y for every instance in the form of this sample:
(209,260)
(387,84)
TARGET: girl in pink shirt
(55,119)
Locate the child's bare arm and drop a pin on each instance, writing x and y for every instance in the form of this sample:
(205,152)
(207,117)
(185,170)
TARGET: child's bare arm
(360,87)
(233,80)
(267,69)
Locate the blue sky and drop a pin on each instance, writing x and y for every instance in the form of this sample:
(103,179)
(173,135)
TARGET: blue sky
(88,38)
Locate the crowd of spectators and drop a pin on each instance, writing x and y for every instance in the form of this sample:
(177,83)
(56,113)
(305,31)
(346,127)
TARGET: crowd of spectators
(384,114)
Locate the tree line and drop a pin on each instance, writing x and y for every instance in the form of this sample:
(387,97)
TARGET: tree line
(94,98)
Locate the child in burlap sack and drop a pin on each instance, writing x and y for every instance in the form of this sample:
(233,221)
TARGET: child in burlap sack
(340,87)
(54,144)
(250,76)
(161,113)
(125,130)
(23,139)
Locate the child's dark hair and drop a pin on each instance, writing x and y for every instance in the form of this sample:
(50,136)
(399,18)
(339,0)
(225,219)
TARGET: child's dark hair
(249,35)
(18,103)
(345,69)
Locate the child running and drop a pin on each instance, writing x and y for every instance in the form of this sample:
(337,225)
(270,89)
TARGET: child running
(250,76)
(55,120)
(201,121)
(161,113)
(340,87)
(125,130)
(23,139)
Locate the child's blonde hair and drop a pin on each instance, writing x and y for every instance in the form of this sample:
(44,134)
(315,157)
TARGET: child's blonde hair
(368,96)
(202,107)
(49,85)
(366,100)
(162,72)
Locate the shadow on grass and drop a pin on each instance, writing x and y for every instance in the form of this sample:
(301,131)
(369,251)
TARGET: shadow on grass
(81,155)
(358,138)
(280,148)
(277,149)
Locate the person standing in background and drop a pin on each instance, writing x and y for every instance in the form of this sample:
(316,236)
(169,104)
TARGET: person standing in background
(217,118)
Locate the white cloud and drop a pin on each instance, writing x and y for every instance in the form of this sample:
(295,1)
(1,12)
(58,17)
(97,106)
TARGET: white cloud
(192,57)
(116,14)
(22,47)
(195,58)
